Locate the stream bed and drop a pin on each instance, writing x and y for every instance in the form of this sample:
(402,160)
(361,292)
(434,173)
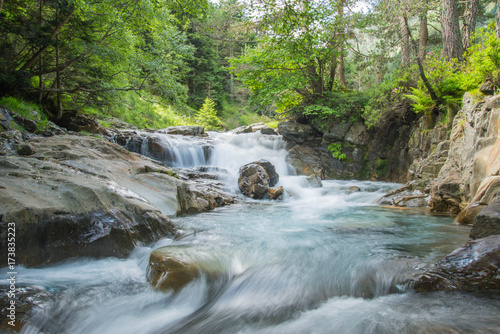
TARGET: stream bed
(322,260)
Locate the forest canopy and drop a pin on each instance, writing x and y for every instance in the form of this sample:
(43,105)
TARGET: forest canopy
(159,63)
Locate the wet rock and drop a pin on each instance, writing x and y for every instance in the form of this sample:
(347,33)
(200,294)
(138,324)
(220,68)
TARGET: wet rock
(275,193)
(256,178)
(473,267)
(354,189)
(487,222)
(314,181)
(172,268)
(201,196)
(253,181)
(296,132)
(184,130)
(84,196)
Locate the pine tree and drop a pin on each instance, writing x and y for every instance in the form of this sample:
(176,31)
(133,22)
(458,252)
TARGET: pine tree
(207,115)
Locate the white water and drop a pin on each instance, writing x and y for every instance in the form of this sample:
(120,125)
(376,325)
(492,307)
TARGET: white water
(325,260)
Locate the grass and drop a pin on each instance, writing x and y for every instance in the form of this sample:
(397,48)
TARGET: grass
(27,110)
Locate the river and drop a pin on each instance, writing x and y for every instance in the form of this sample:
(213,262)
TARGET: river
(322,260)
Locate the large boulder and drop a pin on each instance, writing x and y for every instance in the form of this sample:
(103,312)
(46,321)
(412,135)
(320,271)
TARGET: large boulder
(256,178)
(59,213)
(473,267)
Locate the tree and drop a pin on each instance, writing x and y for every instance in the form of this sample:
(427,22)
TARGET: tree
(298,52)
(207,115)
(469,22)
(91,52)
(452,42)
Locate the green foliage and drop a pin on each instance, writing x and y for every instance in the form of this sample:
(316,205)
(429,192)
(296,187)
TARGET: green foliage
(337,104)
(482,59)
(27,110)
(336,151)
(207,116)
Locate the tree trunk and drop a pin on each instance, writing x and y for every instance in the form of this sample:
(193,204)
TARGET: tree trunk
(54,34)
(423,36)
(58,76)
(405,42)
(469,22)
(432,93)
(341,68)
(498,19)
(452,43)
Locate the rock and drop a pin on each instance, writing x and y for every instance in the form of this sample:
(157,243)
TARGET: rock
(270,170)
(255,179)
(268,131)
(26,149)
(487,88)
(354,189)
(202,196)
(84,196)
(275,193)
(487,222)
(296,132)
(75,121)
(242,129)
(5,119)
(473,267)
(357,134)
(26,123)
(184,130)
(336,131)
(314,181)
(172,268)
(9,140)
(467,216)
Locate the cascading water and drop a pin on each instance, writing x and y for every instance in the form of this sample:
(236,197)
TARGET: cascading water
(323,260)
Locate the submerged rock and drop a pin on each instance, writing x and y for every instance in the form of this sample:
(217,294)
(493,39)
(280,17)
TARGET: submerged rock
(256,178)
(172,268)
(314,181)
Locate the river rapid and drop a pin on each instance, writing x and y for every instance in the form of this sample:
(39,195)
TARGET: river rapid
(322,260)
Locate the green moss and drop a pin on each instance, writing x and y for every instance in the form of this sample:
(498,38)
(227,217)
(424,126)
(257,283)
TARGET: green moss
(382,167)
